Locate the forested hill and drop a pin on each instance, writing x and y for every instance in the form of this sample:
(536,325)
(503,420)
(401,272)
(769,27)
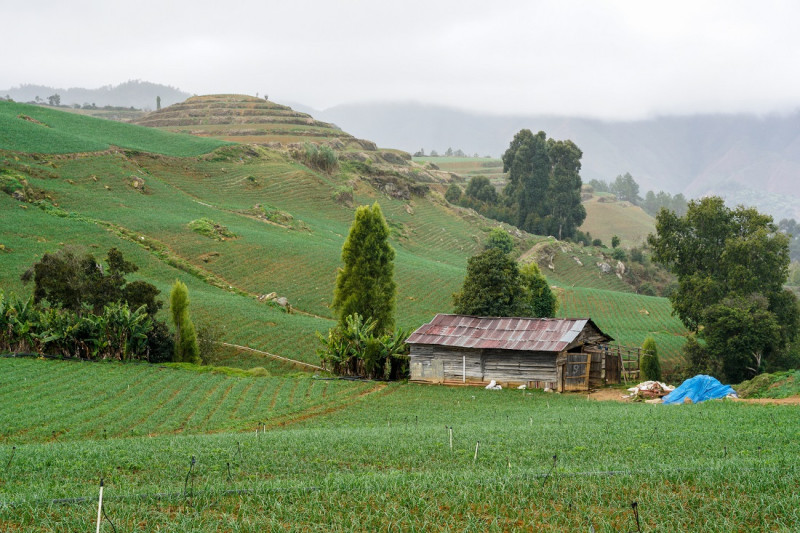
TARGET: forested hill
(747,159)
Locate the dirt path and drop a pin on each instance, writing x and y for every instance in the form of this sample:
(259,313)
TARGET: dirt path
(609,395)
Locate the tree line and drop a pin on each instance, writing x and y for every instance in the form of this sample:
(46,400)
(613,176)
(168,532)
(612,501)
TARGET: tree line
(84,308)
(625,188)
(731,266)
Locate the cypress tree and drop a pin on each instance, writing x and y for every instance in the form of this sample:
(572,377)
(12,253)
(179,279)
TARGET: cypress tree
(187,349)
(365,284)
(650,366)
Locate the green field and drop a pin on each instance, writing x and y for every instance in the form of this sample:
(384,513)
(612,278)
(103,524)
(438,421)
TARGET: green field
(344,456)
(43,130)
(623,219)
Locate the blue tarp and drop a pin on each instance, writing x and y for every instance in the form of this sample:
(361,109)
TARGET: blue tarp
(699,389)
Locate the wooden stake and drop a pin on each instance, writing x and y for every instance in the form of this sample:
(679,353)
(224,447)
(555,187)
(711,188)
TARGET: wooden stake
(476,451)
(100,506)
(451,437)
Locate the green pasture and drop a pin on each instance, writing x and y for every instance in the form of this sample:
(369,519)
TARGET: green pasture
(60,132)
(344,456)
(606,219)
(629,318)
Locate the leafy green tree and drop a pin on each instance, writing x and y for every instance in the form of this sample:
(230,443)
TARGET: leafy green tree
(500,239)
(71,282)
(481,189)
(365,284)
(614,241)
(626,188)
(731,265)
(186,348)
(544,184)
(650,365)
(492,286)
(539,299)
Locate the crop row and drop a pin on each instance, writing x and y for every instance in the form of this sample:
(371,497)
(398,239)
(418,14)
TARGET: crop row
(543,462)
(47,401)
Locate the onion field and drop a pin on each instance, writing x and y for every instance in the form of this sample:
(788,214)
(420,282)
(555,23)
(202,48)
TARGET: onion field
(379,457)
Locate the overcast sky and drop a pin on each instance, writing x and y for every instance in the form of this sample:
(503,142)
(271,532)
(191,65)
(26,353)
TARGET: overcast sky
(621,59)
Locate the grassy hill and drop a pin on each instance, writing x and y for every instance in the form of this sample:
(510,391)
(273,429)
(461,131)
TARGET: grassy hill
(43,130)
(287,220)
(606,217)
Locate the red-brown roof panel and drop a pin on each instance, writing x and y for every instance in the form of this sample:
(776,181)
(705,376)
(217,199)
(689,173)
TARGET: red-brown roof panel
(526,334)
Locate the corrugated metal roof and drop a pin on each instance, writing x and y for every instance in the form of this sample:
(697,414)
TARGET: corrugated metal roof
(500,333)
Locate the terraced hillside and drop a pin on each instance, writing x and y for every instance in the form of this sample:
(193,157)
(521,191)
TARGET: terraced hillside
(241,118)
(468,167)
(286,223)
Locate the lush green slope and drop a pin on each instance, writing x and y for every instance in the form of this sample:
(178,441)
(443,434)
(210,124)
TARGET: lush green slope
(39,129)
(288,231)
(378,457)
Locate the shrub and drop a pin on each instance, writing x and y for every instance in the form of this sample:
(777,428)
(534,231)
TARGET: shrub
(647,289)
(209,228)
(320,157)
(597,242)
(453,194)
(259,371)
(500,239)
(353,350)
(650,365)
(619,254)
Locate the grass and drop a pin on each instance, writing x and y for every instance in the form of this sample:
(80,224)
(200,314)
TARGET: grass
(43,130)
(606,219)
(777,385)
(383,460)
(68,401)
(629,318)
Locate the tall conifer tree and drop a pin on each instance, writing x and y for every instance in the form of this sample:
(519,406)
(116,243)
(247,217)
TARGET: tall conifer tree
(365,284)
(186,346)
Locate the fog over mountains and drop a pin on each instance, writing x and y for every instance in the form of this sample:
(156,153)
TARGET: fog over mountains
(133,93)
(745,158)
(748,159)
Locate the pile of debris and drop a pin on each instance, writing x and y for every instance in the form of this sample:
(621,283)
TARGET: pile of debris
(649,390)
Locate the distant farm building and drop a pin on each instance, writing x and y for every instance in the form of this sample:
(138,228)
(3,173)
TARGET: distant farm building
(556,353)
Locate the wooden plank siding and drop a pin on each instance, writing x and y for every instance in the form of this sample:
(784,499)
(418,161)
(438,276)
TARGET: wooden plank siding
(535,369)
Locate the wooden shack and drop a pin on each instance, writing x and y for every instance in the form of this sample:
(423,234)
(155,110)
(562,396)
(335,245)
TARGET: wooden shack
(557,353)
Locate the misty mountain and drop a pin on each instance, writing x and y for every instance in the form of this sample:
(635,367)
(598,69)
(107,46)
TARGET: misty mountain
(136,93)
(747,159)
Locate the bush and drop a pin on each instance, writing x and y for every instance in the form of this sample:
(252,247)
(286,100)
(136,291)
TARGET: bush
(453,194)
(259,371)
(619,254)
(647,289)
(322,158)
(650,364)
(500,239)
(637,255)
(209,228)
(597,242)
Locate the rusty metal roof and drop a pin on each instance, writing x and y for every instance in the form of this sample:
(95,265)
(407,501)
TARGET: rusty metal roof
(501,333)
